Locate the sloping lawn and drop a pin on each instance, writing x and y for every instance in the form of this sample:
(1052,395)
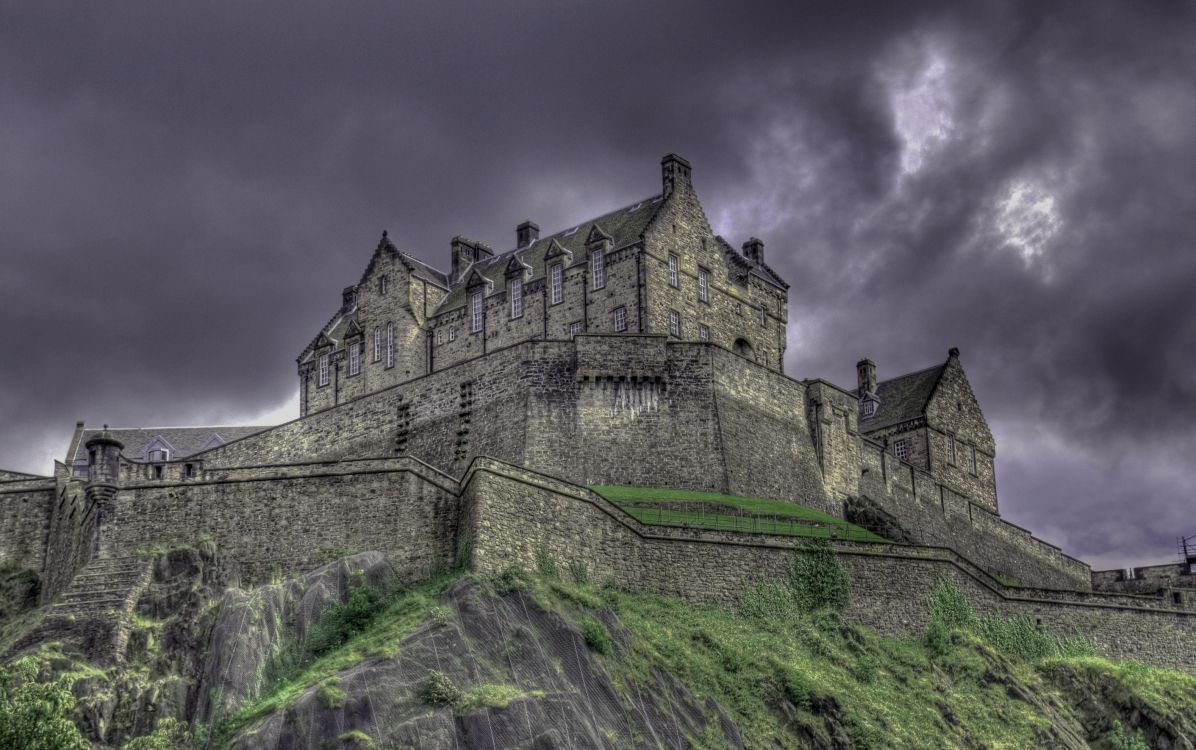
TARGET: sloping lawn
(666,507)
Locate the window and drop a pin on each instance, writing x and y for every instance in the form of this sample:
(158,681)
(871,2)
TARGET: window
(738,308)
(452,333)
(554,284)
(390,344)
(951,449)
(901,450)
(324,369)
(704,332)
(377,343)
(515,290)
(158,454)
(620,318)
(574,328)
(673,281)
(383,283)
(598,268)
(703,285)
(355,358)
(475,311)
(869,408)
(763,316)
(439,337)
(972,452)
(158,472)
(189,471)
(675,323)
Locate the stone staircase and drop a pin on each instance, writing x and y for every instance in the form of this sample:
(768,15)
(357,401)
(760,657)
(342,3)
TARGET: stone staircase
(95,612)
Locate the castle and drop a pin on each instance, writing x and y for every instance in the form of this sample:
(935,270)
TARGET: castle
(461,416)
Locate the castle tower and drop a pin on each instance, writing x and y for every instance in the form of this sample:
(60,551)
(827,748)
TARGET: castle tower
(866,388)
(103,464)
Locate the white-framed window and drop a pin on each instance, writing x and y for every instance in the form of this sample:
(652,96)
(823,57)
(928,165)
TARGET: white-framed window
(323,369)
(355,358)
(475,311)
(972,454)
(439,337)
(869,410)
(598,268)
(452,333)
(675,323)
(377,343)
(620,318)
(673,275)
(574,328)
(951,449)
(555,284)
(158,454)
(703,285)
(703,332)
(390,344)
(515,290)
(383,283)
(901,450)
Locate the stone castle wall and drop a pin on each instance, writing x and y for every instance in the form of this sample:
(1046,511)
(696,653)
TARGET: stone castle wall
(513,515)
(25,520)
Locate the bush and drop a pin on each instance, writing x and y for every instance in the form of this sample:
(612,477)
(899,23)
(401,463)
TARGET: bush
(938,638)
(579,571)
(512,577)
(33,714)
(596,636)
(818,577)
(340,622)
(169,734)
(439,690)
(1119,740)
(766,601)
(1017,638)
(544,562)
(949,606)
(331,696)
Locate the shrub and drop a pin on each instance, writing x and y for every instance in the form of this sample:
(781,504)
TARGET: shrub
(33,714)
(330,695)
(357,738)
(512,577)
(818,577)
(597,638)
(340,622)
(938,638)
(1119,740)
(439,690)
(579,571)
(767,601)
(544,562)
(1017,638)
(169,734)
(949,606)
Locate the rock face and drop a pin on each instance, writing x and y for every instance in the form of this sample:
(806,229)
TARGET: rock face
(535,670)
(864,512)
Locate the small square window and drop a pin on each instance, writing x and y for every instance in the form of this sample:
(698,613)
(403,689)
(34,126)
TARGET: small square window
(901,450)
(703,332)
(574,328)
(620,318)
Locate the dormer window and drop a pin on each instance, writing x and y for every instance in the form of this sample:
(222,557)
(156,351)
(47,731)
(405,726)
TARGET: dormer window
(674,281)
(515,290)
(323,369)
(157,455)
(598,268)
(868,407)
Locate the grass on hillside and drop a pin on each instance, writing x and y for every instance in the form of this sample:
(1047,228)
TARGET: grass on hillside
(665,507)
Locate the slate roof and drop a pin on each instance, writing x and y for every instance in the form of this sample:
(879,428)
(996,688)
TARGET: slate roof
(184,441)
(624,225)
(903,398)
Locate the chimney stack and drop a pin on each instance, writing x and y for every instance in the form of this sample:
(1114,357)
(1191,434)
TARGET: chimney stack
(348,298)
(753,249)
(526,233)
(675,171)
(866,379)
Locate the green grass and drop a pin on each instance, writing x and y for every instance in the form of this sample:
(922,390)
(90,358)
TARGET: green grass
(659,507)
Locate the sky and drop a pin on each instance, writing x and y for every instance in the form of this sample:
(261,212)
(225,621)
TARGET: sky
(186,188)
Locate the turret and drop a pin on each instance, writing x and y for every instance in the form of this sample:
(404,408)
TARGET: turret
(675,172)
(103,459)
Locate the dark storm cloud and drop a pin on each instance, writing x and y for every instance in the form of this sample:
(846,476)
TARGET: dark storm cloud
(184,192)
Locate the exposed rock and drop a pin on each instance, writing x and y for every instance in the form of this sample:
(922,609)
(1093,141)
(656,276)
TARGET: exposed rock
(864,512)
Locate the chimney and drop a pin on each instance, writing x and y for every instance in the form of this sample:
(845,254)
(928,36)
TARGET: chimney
(526,233)
(866,379)
(753,249)
(348,298)
(675,172)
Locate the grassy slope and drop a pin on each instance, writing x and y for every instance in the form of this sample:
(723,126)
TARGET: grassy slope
(791,519)
(776,678)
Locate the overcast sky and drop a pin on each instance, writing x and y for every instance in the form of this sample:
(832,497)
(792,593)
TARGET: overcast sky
(185,189)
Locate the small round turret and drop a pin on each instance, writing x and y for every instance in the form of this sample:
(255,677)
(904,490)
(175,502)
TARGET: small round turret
(103,458)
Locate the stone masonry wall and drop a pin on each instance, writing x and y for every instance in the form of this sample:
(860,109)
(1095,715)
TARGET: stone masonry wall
(25,521)
(511,514)
(291,519)
(72,536)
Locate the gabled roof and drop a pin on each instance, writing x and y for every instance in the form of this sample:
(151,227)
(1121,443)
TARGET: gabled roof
(903,398)
(624,226)
(183,441)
